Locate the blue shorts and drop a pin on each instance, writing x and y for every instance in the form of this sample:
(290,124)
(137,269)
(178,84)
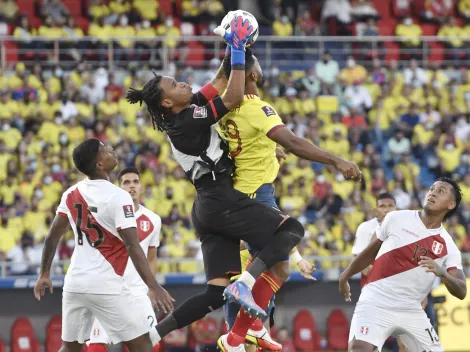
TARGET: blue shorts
(265,195)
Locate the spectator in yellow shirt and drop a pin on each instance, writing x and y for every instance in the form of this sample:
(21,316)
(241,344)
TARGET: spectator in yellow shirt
(190,10)
(51,30)
(353,72)
(147,9)
(24,33)
(410,32)
(102,32)
(75,33)
(282,27)
(146,31)
(172,34)
(464,9)
(123,30)
(98,9)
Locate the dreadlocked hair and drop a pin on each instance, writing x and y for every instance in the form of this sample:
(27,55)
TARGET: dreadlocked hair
(151,94)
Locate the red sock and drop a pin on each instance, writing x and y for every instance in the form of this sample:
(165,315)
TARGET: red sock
(97,347)
(265,287)
(257,325)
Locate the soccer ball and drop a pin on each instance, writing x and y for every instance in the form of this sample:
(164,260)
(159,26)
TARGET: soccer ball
(246,16)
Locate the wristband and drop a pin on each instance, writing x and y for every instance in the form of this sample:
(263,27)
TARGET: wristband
(296,257)
(238,57)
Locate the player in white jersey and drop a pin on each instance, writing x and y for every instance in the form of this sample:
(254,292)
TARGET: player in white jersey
(366,231)
(148,230)
(102,218)
(411,249)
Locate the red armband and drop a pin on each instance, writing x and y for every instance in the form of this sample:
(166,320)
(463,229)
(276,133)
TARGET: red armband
(209,92)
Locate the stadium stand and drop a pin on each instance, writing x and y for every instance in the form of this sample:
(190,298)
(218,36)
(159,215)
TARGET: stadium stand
(403,121)
(23,337)
(306,337)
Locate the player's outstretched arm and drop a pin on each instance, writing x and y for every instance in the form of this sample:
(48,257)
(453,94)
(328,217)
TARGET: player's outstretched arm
(306,150)
(240,32)
(362,261)
(160,298)
(220,80)
(59,227)
(454,279)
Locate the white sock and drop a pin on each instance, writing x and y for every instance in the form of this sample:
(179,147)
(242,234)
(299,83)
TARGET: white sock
(248,279)
(154,336)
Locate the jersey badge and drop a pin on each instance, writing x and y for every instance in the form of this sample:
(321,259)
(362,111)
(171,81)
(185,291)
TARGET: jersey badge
(128,212)
(200,112)
(364,330)
(437,248)
(145,225)
(269,111)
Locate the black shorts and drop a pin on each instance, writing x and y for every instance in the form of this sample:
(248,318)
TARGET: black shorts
(222,216)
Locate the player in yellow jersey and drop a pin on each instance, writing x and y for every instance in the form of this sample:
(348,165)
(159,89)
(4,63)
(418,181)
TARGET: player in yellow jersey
(253,131)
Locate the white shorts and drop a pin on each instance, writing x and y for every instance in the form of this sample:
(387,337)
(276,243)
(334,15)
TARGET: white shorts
(375,325)
(99,334)
(122,316)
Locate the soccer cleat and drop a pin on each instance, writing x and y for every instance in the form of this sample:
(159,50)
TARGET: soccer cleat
(222,345)
(263,340)
(240,293)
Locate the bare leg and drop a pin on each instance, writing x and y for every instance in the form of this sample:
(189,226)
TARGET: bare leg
(140,344)
(71,347)
(360,346)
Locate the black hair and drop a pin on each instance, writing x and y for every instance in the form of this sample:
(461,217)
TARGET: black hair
(85,155)
(128,170)
(457,195)
(227,64)
(151,94)
(386,195)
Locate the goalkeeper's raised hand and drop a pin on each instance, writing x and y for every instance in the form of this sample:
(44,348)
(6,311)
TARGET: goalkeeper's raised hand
(240,31)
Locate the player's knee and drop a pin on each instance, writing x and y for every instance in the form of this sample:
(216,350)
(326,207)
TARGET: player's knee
(214,296)
(281,271)
(293,230)
(97,347)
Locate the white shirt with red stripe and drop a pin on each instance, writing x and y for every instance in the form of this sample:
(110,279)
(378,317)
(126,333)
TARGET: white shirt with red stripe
(97,210)
(397,281)
(148,229)
(364,235)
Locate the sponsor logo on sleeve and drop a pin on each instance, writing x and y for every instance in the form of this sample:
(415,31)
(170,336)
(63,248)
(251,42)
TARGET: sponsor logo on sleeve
(364,330)
(128,212)
(269,111)
(200,112)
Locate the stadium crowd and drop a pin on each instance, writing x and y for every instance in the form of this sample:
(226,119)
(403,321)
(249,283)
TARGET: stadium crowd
(403,125)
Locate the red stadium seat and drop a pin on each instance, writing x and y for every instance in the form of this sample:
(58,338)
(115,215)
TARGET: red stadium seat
(223,327)
(337,330)
(306,337)
(195,57)
(3,348)
(53,334)
(166,6)
(383,8)
(23,338)
(74,7)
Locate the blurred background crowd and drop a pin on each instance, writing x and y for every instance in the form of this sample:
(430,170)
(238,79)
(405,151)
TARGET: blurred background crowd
(403,122)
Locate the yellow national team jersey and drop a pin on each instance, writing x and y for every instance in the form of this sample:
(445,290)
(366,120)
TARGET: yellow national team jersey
(245,129)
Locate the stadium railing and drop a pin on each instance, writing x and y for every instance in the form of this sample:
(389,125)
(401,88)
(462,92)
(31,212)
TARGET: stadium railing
(331,271)
(288,53)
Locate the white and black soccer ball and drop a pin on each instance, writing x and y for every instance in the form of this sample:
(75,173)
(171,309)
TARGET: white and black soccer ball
(246,16)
